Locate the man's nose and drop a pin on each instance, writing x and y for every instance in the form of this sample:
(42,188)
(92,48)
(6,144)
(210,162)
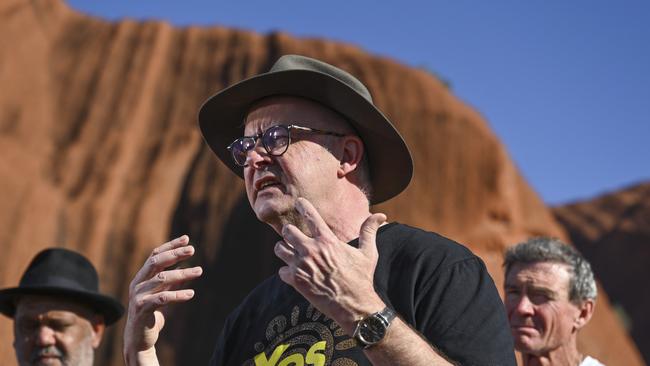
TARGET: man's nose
(524,306)
(257,157)
(45,336)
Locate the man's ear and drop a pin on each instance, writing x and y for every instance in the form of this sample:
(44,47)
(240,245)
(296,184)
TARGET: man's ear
(98,327)
(586,310)
(351,156)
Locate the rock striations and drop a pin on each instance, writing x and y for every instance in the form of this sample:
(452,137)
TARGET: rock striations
(613,232)
(100,152)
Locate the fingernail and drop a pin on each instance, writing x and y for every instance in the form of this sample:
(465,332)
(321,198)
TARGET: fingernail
(197,270)
(189,293)
(285,230)
(299,205)
(184,239)
(188,250)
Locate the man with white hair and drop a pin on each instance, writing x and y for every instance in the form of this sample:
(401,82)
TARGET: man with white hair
(550,294)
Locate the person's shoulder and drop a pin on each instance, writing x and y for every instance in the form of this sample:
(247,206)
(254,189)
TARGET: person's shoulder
(413,237)
(412,241)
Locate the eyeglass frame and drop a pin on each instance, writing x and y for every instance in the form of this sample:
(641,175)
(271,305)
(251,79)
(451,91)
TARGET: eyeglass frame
(260,135)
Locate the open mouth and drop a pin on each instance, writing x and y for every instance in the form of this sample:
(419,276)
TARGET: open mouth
(266,182)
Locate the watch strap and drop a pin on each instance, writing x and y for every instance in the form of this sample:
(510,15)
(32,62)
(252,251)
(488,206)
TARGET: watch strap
(387,315)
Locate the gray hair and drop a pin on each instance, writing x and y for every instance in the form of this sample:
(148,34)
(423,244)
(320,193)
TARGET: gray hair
(582,285)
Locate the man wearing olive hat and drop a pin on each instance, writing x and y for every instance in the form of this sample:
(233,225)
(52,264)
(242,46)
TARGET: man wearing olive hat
(315,153)
(59,315)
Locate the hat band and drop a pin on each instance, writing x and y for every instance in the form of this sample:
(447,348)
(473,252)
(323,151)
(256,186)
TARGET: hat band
(32,280)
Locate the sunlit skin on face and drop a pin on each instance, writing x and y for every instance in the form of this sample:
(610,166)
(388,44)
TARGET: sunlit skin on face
(307,169)
(50,331)
(542,319)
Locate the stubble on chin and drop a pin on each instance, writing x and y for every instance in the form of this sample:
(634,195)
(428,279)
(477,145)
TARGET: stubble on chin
(288,216)
(85,355)
(294,218)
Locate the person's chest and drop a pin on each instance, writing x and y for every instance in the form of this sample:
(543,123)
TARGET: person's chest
(286,330)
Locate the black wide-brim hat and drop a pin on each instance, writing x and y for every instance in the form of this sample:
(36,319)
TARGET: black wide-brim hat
(66,275)
(221,117)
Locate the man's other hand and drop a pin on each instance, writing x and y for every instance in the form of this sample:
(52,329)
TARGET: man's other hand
(153,287)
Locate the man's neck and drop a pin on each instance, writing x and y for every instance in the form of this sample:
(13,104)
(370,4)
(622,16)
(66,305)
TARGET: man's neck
(563,356)
(347,227)
(343,215)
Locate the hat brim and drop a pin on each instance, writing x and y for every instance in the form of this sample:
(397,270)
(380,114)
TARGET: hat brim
(221,119)
(110,308)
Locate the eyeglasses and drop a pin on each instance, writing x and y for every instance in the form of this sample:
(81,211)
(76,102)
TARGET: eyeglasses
(276,140)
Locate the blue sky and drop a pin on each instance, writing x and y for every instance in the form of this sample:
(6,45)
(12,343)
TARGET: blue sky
(564,84)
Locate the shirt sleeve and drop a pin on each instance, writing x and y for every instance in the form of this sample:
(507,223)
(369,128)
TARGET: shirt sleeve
(220,355)
(459,310)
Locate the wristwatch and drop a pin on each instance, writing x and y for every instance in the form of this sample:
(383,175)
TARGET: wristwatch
(372,329)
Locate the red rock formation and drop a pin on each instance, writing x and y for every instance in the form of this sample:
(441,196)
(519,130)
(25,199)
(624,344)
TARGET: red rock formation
(613,232)
(100,152)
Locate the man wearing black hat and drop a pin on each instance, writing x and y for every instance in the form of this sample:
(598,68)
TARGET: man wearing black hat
(59,315)
(315,153)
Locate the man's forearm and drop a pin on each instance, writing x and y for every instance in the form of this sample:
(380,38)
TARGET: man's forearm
(404,346)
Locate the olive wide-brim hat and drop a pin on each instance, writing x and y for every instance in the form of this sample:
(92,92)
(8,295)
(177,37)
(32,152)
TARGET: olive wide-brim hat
(221,117)
(66,275)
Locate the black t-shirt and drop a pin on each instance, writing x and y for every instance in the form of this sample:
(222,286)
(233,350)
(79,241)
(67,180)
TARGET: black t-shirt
(436,285)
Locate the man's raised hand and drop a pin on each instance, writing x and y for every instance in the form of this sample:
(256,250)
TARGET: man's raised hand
(335,277)
(153,287)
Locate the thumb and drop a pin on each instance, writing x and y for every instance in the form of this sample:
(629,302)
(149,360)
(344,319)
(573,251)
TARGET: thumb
(368,234)
(160,320)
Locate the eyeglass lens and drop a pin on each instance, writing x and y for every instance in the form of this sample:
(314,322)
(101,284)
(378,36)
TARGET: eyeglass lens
(275,141)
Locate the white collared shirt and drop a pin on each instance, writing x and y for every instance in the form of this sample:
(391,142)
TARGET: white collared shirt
(588,361)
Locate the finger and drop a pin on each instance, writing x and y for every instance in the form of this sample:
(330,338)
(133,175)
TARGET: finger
(152,302)
(313,219)
(156,321)
(299,242)
(286,275)
(368,234)
(172,244)
(158,262)
(160,319)
(166,280)
(284,251)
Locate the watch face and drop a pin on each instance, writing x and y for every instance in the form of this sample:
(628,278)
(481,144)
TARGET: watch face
(371,330)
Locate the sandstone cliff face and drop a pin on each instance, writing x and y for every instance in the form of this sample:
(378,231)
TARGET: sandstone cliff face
(100,152)
(613,232)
